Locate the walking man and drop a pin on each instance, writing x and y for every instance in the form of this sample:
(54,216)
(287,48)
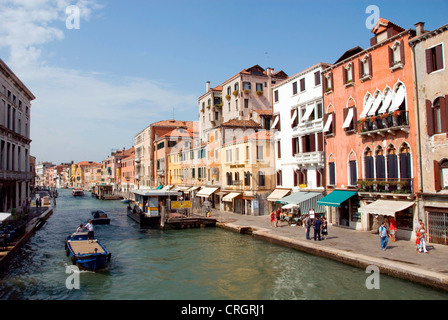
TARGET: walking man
(316,226)
(308,226)
(382,230)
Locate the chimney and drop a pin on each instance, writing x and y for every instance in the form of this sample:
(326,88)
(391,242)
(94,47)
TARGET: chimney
(207,86)
(420,28)
(269,71)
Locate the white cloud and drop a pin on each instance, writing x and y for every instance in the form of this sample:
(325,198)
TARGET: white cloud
(77,115)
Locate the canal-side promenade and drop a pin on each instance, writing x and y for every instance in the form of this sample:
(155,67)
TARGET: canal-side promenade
(357,248)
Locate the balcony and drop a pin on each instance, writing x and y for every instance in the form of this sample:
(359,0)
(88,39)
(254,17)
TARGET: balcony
(308,127)
(386,186)
(382,124)
(15,175)
(310,158)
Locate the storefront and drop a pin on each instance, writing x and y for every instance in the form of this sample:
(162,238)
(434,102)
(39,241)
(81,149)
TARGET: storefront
(374,213)
(342,208)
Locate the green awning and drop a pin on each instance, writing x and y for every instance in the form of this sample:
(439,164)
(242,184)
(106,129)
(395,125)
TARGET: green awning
(306,201)
(335,198)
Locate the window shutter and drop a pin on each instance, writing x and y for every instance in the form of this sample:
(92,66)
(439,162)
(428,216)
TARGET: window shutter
(402,52)
(332,83)
(437,182)
(332,177)
(405,165)
(391,57)
(279,150)
(355,119)
(428,61)
(392,170)
(312,138)
(344,75)
(439,57)
(294,146)
(353,72)
(320,141)
(373,41)
(429,118)
(304,149)
(380,172)
(324,83)
(360,68)
(295,178)
(444,113)
(370,65)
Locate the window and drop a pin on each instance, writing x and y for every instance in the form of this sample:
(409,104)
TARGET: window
(441,174)
(329,128)
(247,178)
(396,55)
(279,151)
(247,153)
(380,166)
(317,78)
(259,153)
(348,74)
(246,103)
(392,163)
(229,178)
(434,58)
(350,119)
(261,179)
(228,156)
(294,88)
(353,174)
(295,145)
(437,116)
(405,162)
(279,177)
(365,67)
(237,154)
(259,87)
(302,84)
(368,164)
(246,86)
(328,82)
(308,143)
(331,174)
(276,96)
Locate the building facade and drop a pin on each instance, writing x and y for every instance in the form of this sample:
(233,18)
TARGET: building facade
(430,56)
(15,141)
(370,133)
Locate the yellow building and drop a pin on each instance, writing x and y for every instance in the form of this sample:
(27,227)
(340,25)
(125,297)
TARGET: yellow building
(247,166)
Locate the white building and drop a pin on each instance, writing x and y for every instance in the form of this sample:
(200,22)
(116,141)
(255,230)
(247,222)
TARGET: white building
(15,112)
(298,124)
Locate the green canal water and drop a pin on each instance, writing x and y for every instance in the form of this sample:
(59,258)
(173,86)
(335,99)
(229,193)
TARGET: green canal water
(195,264)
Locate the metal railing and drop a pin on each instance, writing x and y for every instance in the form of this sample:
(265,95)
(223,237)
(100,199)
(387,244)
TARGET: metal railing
(388,185)
(391,120)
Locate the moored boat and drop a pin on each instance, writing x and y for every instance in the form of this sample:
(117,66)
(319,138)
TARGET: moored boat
(77,192)
(100,217)
(86,254)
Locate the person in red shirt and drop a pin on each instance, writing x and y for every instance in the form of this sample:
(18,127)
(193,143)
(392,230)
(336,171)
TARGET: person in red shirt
(392,228)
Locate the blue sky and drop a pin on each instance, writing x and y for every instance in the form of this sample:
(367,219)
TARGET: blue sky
(133,62)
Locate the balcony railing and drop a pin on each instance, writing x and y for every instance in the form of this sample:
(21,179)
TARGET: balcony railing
(385,123)
(308,158)
(396,186)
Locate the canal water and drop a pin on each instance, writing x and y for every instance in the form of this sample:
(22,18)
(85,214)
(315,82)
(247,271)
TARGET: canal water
(194,264)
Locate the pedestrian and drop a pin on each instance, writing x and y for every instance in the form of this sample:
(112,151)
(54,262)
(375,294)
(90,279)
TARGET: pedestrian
(422,232)
(382,230)
(277,217)
(273,218)
(307,227)
(80,228)
(89,227)
(324,228)
(393,228)
(317,224)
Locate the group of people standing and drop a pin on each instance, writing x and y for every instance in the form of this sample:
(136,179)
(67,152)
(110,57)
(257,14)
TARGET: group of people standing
(319,225)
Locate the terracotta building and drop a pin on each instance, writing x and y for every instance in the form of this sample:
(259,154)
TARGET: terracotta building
(370,133)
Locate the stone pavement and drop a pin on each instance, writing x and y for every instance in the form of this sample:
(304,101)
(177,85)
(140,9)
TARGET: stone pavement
(358,248)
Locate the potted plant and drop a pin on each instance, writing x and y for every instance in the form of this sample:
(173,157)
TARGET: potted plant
(259,92)
(246,91)
(228,97)
(235,93)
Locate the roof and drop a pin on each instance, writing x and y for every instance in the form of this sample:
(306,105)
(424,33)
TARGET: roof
(382,25)
(240,123)
(178,132)
(349,53)
(259,135)
(173,123)
(262,112)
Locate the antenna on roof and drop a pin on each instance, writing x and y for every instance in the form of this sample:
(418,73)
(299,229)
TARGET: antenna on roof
(173,113)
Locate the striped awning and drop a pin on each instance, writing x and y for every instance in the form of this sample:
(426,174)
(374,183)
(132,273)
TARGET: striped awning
(385,207)
(306,201)
(231,196)
(278,194)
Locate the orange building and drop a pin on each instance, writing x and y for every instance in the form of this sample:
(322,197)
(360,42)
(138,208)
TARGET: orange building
(370,136)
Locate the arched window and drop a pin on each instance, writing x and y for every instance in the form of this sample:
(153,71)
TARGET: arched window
(331,171)
(369,171)
(352,170)
(392,163)
(380,164)
(405,162)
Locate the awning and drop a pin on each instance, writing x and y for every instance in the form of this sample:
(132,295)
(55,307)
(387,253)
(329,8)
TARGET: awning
(294,116)
(328,123)
(309,110)
(335,198)
(192,189)
(167,187)
(159,187)
(180,188)
(367,107)
(349,118)
(385,207)
(376,105)
(206,192)
(386,102)
(277,118)
(278,194)
(398,99)
(230,196)
(4,216)
(306,201)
